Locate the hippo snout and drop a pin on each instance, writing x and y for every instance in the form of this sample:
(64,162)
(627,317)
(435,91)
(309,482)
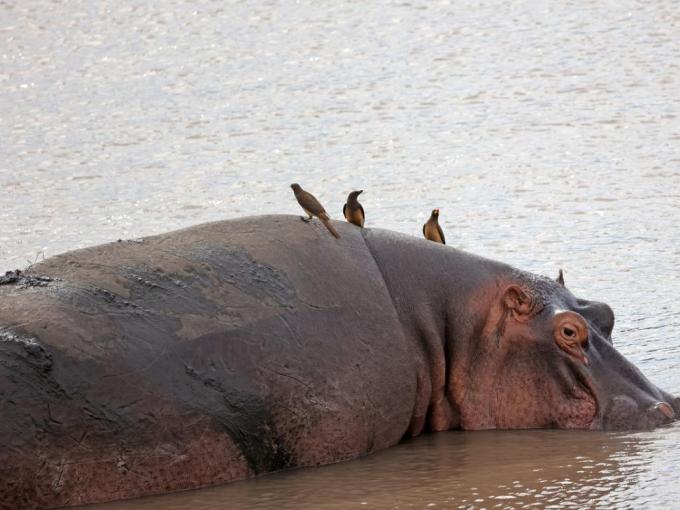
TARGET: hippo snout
(623,413)
(675,403)
(664,409)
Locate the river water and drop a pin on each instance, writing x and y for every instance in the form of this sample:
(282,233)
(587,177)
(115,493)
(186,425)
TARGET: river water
(547,132)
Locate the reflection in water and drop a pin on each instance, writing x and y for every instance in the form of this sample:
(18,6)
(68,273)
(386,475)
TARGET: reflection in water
(513,469)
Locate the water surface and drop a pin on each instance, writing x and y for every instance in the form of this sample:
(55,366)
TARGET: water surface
(514,469)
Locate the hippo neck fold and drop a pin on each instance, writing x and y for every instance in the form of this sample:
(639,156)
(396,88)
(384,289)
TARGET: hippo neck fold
(444,299)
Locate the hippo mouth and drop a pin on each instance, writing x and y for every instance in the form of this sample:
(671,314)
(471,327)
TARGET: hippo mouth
(621,412)
(584,412)
(614,394)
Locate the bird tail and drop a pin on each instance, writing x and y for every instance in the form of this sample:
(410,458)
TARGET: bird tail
(327,223)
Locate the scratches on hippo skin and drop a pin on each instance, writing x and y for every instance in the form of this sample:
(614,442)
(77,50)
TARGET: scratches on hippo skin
(289,376)
(60,478)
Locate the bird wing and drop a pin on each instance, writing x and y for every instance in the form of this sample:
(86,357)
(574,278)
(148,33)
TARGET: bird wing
(344,212)
(363,215)
(441,234)
(310,203)
(424,233)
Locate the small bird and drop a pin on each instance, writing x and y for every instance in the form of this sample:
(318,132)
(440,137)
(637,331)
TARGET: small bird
(560,278)
(312,207)
(432,231)
(353,211)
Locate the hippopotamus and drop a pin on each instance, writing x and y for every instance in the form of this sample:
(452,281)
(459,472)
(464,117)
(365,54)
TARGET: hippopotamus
(242,347)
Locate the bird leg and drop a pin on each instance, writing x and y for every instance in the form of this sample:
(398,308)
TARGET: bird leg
(306,220)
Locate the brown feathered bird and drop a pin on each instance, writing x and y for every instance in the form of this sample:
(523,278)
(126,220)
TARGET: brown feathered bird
(353,211)
(312,207)
(432,231)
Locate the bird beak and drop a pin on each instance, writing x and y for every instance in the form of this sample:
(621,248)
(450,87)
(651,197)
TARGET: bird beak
(360,192)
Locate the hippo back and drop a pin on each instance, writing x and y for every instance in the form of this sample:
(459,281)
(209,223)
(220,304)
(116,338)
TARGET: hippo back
(197,357)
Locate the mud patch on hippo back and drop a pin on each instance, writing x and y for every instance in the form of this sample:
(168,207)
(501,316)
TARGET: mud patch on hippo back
(23,280)
(241,413)
(26,349)
(161,291)
(150,295)
(27,382)
(238,268)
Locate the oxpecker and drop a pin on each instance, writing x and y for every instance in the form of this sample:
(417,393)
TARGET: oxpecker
(312,207)
(432,231)
(353,211)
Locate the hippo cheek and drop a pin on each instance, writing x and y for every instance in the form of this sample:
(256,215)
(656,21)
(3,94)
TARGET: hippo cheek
(578,412)
(528,399)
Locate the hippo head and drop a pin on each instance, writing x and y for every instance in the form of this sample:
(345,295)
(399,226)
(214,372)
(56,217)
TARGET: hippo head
(550,362)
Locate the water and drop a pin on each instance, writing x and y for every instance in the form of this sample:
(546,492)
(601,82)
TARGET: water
(547,133)
(543,469)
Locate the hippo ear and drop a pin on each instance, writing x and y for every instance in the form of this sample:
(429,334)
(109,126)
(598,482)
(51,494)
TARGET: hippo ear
(519,302)
(560,278)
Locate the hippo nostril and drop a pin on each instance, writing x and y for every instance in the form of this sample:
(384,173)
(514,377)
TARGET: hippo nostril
(675,404)
(665,409)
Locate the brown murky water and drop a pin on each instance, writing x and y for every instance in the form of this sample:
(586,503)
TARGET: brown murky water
(547,133)
(521,469)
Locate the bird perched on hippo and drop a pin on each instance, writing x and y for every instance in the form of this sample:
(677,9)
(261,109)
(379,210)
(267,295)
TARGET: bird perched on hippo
(241,347)
(353,210)
(432,231)
(312,207)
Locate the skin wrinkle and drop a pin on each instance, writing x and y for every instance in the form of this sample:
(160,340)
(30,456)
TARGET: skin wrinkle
(432,349)
(417,422)
(488,328)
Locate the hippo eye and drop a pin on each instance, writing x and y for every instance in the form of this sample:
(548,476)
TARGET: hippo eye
(568,332)
(571,334)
